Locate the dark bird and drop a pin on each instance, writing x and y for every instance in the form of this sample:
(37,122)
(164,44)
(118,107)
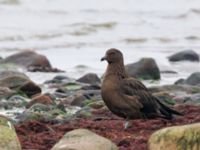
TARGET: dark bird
(127,97)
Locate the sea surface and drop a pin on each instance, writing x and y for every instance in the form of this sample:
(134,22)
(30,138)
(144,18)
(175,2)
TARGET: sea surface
(74,34)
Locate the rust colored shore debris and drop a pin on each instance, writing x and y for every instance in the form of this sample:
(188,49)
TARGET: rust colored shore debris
(44,135)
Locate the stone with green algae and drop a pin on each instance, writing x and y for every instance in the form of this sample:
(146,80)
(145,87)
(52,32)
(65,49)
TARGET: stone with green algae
(8,136)
(185,137)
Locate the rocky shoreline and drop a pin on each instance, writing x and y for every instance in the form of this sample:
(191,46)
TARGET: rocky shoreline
(69,104)
(44,135)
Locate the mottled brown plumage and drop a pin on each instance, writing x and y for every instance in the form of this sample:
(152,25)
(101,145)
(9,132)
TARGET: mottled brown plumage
(128,97)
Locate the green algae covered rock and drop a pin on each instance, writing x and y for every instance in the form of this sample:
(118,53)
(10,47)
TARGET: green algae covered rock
(82,139)
(185,137)
(8,137)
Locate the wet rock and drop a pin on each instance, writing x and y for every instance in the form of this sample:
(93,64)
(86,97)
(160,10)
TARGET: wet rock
(91,87)
(42,112)
(146,69)
(30,89)
(5,92)
(41,99)
(69,88)
(193,79)
(187,55)
(82,139)
(73,86)
(43,69)
(90,78)
(84,97)
(59,80)
(93,111)
(176,138)
(60,77)
(28,59)
(85,113)
(97,105)
(176,89)
(19,82)
(16,101)
(180,81)
(8,136)
(13,79)
(78,100)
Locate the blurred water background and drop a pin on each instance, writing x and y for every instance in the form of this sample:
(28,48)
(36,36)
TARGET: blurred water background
(74,34)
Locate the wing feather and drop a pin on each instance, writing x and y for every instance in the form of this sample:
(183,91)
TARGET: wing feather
(134,88)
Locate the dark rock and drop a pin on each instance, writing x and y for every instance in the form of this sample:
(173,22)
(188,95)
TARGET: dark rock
(28,58)
(193,79)
(30,89)
(41,99)
(84,97)
(168,72)
(180,81)
(59,77)
(187,55)
(93,94)
(91,87)
(146,69)
(90,78)
(78,100)
(43,69)
(59,80)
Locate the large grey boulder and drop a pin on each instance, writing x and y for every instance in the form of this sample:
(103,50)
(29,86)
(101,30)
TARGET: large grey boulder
(90,78)
(187,55)
(145,68)
(28,59)
(83,139)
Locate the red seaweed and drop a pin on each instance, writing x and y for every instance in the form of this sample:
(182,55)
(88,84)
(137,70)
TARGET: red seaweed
(44,135)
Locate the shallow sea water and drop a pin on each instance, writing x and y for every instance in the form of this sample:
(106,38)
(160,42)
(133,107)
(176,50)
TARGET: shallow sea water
(74,35)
